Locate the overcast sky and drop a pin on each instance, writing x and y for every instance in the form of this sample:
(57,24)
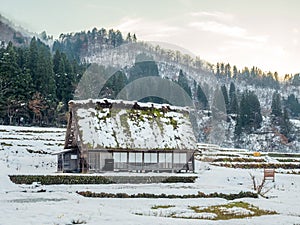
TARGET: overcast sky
(263,33)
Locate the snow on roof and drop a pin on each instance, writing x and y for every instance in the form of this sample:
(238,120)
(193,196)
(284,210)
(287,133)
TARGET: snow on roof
(116,124)
(128,103)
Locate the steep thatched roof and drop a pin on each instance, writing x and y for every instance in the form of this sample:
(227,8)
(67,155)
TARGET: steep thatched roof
(115,124)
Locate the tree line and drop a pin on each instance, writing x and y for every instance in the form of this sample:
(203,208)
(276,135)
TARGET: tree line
(253,76)
(37,82)
(79,44)
(35,85)
(246,110)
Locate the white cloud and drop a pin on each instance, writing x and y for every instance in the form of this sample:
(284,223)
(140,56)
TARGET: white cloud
(215,14)
(220,28)
(235,45)
(271,50)
(268,57)
(224,29)
(147,30)
(216,41)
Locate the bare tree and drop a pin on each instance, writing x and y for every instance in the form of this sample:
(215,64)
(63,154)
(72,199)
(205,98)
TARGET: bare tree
(260,187)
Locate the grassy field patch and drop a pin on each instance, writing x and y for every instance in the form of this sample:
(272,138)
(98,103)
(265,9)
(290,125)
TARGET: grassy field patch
(233,210)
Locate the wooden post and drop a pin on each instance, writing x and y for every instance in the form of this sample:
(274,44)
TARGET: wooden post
(269,174)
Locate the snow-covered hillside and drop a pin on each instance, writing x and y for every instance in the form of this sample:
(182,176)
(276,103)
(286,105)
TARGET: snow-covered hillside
(266,139)
(23,151)
(169,65)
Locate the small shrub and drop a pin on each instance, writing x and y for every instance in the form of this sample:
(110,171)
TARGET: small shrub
(259,165)
(162,206)
(75,179)
(37,151)
(6,144)
(59,179)
(78,222)
(148,195)
(177,179)
(236,159)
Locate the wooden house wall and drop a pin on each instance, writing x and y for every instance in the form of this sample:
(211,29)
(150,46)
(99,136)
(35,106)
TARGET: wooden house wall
(140,161)
(68,161)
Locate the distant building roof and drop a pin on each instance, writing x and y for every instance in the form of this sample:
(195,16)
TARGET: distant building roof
(116,124)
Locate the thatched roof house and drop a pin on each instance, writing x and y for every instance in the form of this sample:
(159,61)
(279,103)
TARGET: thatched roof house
(115,135)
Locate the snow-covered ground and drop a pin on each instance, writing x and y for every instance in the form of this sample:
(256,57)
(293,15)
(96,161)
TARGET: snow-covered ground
(20,153)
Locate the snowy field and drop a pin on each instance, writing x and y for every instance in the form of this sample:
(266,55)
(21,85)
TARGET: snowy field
(26,150)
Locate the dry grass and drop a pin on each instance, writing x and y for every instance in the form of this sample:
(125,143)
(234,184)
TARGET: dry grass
(232,210)
(222,212)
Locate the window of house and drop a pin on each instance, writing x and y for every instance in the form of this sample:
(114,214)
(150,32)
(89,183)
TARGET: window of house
(135,157)
(165,157)
(92,161)
(150,157)
(120,156)
(123,156)
(179,157)
(138,157)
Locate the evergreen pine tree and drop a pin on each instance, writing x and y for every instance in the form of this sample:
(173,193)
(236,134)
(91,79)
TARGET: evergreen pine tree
(134,39)
(183,82)
(128,38)
(41,67)
(222,69)
(201,97)
(293,105)
(64,78)
(33,58)
(218,70)
(112,37)
(226,99)
(233,102)
(118,38)
(249,118)
(238,126)
(296,80)
(228,71)
(15,84)
(246,73)
(276,105)
(44,75)
(235,72)
(286,125)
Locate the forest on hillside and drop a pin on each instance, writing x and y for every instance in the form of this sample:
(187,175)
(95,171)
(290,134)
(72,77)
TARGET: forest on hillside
(37,81)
